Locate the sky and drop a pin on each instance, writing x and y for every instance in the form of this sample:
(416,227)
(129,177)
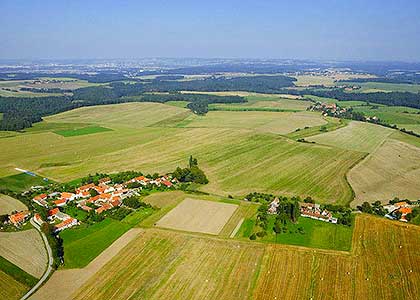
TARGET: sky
(315,29)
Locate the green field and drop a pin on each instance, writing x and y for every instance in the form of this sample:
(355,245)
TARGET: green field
(17,273)
(20,182)
(82,131)
(371,87)
(82,244)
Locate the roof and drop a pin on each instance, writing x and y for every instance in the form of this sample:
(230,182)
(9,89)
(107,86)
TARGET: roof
(60,201)
(402,203)
(19,217)
(93,199)
(85,187)
(102,208)
(167,183)
(105,196)
(405,210)
(65,223)
(66,195)
(40,197)
(104,180)
(53,211)
(38,217)
(100,189)
(86,208)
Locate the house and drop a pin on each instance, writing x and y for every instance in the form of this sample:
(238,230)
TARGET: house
(273,206)
(41,200)
(116,201)
(60,202)
(66,224)
(68,196)
(52,213)
(405,211)
(313,211)
(85,208)
(141,179)
(103,208)
(85,188)
(62,216)
(105,180)
(167,183)
(19,217)
(38,220)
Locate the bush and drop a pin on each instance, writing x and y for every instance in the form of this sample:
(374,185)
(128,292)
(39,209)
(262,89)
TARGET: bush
(253,237)
(261,234)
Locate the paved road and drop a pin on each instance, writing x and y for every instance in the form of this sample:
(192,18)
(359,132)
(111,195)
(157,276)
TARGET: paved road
(50,263)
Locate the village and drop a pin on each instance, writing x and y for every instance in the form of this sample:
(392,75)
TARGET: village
(91,198)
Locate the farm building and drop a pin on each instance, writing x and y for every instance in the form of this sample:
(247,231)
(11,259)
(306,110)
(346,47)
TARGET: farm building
(19,217)
(313,211)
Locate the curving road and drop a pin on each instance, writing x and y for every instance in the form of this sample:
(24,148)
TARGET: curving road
(50,263)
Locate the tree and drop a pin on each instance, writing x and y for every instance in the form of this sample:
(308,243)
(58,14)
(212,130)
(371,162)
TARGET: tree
(365,207)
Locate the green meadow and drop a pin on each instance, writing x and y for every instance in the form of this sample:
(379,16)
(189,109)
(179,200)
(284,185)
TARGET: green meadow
(82,131)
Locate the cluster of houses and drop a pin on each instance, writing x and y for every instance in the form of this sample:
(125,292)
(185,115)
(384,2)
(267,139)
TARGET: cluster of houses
(314,211)
(398,211)
(307,210)
(328,109)
(18,218)
(101,197)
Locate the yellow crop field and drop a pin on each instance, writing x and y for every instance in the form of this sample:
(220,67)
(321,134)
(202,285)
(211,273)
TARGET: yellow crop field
(10,288)
(383,264)
(393,170)
(357,136)
(26,250)
(167,265)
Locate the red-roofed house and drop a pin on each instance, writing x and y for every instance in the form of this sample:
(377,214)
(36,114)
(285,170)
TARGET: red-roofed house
(20,217)
(41,200)
(52,213)
(60,202)
(70,222)
(103,208)
(167,183)
(85,188)
(38,220)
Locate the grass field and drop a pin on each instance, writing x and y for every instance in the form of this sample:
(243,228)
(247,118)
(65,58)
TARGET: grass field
(9,204)
(371,87)
(393,170)
(17,273)
(168,265)
(83,244)
(82,131)
(198,216)
(25,249)
(357,136)
(327,80)
(317,234)
(20,182)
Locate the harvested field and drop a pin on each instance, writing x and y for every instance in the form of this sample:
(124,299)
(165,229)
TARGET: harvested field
(393,170)
(26,250)
(165,199)
(227,155)
(274,122)
(198,216)
(9,204)
(10,288)
(168,265)
(300,273)
(357,136)
(64,283)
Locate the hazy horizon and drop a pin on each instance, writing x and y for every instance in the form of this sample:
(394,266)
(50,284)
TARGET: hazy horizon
(325,30)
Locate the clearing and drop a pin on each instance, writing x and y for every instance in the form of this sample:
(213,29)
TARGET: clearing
(26,250)
(393,170)
(9,204)
(198,216)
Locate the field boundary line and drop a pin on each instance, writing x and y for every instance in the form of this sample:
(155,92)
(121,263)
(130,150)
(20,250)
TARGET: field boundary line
(235,231)
(50,263)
